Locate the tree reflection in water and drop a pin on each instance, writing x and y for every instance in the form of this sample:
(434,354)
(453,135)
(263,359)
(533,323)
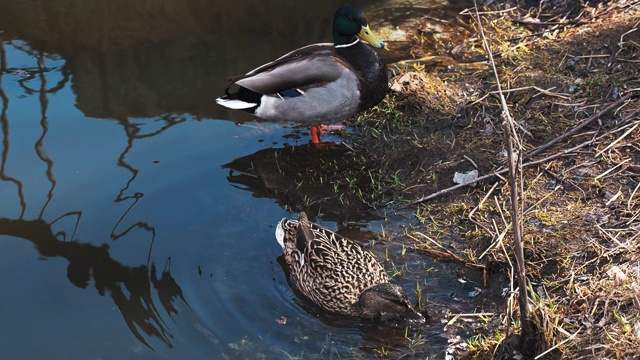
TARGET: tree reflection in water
(87,261)
(131,288)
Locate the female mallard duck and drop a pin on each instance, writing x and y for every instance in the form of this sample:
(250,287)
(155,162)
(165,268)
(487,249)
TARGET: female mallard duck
(336,274)
(319,83)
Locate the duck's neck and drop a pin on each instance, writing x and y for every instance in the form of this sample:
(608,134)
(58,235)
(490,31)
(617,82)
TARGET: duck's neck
(352,43)
(360,56)
(340,39)
(371,71)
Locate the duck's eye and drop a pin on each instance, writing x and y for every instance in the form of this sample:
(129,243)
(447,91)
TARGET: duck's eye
(397,301)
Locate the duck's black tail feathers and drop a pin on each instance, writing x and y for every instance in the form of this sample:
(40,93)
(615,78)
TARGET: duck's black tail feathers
(242,99)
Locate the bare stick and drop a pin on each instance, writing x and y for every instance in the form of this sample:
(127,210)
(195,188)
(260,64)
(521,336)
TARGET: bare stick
(499,172)
(529,337)
(478,207)
(445,253)
(584,123)
(620,138)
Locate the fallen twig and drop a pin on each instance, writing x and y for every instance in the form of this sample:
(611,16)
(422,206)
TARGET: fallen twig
(558,344)
(621,136)
(527,164)
(584,123)
(540,91)
(478,207)
(445,253)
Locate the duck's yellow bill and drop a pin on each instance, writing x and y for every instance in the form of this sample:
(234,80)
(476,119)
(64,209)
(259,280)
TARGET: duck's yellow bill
(367,35)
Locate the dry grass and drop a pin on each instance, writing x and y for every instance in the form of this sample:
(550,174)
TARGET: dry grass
(571,83)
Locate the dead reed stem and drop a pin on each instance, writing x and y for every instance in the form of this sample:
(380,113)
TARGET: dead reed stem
(528,333)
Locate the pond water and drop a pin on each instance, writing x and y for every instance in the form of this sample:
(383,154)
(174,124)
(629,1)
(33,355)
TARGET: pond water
(126,232)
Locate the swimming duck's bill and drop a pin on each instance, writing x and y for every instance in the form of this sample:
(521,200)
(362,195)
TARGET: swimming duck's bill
(387,300)
(367,35)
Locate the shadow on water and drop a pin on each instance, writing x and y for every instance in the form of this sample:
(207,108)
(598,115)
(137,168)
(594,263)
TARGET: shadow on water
(130,288)
(323,181)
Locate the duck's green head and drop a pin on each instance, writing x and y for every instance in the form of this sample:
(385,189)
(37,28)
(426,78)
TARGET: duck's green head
(349,22)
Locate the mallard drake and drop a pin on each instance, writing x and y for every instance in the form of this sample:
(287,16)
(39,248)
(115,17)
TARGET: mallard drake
(317,84)
(337,274)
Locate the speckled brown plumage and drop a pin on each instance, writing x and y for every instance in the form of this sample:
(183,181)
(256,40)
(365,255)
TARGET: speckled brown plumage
(334,272)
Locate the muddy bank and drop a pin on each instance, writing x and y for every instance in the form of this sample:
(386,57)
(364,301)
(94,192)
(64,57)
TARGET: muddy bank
(569,72)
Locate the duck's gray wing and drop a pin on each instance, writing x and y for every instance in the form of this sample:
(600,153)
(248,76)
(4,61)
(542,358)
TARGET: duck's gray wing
(313,65)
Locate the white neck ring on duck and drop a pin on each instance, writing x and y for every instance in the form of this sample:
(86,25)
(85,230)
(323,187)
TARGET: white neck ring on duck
(347,45)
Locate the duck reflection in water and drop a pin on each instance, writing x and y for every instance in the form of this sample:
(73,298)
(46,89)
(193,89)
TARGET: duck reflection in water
(326,180)
(88,261)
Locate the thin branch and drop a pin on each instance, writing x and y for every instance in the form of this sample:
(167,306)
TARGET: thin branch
(584,123)
(566,152)
(515,173)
